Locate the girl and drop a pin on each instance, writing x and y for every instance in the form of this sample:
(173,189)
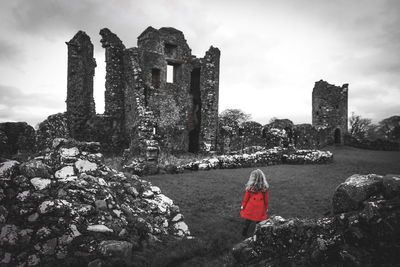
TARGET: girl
(255,202)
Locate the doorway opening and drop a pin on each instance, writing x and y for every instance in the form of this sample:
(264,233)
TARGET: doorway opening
(195,114)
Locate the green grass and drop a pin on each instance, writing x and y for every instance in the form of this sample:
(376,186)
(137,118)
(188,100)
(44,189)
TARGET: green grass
(210,200)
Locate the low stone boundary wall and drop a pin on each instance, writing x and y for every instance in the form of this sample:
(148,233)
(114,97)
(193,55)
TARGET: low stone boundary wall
(259,158)
(365,230)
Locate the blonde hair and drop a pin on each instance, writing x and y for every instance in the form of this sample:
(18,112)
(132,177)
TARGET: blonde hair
(257,182)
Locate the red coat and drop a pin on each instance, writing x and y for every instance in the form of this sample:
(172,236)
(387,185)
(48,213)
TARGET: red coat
(255,206)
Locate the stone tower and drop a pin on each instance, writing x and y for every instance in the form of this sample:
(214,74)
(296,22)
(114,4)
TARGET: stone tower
(329,109)
(80,102)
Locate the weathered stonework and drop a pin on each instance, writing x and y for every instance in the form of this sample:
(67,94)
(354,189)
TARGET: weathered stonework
(80,102)
(307,136)
(209,95)
(16,138)
(329,109)
(157,94)
(114,111)
(184,100)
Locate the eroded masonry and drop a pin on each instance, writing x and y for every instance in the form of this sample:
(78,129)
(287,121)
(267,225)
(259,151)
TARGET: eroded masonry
(156,94)
(329,110)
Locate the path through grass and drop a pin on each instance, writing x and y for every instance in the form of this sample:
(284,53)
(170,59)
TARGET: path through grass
(210,200)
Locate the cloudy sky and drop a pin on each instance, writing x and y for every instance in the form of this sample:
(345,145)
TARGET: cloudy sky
(272,52)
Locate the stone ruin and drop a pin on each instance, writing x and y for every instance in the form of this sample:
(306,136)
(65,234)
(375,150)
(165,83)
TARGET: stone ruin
(329,125)
(65,207)
(156,94)
(329,110)
(159,96)
(329,119)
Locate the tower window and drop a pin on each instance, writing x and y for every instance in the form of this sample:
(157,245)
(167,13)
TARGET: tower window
(173,72)
(170,73)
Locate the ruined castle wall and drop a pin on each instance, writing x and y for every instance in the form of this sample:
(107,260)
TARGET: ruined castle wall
(168,99)
(114,93)
(329,109)
(209,97)
(157,93)
(306,136)
(133,89)
(134,102)
(16,138)
(80,102)
(114,96)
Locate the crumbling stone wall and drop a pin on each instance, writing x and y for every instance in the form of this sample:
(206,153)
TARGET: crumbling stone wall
(114,93)
(278,133)
(16,138)
(169,99)
(210,96)
(185,106)
(364,230)
(134,97)
(55,126)
(329,109)
(252,134)
(80,102)
(307,136)
(146,105)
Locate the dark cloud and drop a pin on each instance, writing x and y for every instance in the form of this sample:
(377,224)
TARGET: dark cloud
(360,43)
(12,96)
(47,16)
(376,111)
(9,51)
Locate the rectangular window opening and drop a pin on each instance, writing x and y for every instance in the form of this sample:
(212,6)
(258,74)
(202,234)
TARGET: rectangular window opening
(173,72)
(170,73)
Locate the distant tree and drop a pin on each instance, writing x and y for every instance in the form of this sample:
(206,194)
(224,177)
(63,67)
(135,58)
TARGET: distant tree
(230,130)
(359,126)
(272,120)
(374,132)
(390,128)
(233,117)
(251,128)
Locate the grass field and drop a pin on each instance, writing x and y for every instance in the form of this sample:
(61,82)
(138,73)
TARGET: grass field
(210,201)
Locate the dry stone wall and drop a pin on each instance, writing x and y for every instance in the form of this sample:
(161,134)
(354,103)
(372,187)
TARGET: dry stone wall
(364,230)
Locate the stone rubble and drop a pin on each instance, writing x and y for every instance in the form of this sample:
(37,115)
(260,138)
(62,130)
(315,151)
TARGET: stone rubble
(261,157)
(66,208)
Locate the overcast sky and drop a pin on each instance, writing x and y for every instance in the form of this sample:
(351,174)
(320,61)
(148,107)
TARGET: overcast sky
(272,52)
